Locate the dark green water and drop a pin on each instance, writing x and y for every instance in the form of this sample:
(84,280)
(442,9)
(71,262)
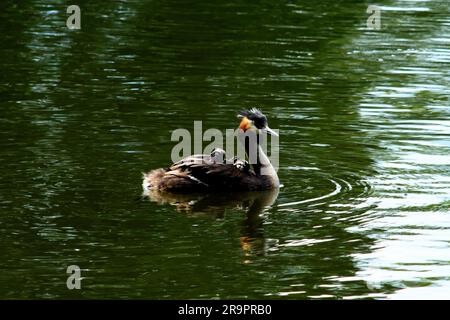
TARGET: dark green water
(364,156)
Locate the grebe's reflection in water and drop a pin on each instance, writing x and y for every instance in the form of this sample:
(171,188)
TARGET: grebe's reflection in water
(215,205)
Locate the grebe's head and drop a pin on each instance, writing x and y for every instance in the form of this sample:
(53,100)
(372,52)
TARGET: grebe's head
(254,119)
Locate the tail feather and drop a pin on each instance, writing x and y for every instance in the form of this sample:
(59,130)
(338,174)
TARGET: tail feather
(152,179)
(170,180)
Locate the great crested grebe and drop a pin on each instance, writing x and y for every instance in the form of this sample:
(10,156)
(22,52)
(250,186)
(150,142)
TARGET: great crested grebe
(214,173)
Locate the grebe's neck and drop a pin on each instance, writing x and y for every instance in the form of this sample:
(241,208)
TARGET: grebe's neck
(261,165)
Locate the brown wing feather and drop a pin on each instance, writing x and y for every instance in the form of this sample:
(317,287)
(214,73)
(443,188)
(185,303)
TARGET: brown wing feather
(197,173)
(223,176)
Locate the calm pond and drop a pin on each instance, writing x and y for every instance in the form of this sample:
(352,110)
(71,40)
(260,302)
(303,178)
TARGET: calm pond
(364,161)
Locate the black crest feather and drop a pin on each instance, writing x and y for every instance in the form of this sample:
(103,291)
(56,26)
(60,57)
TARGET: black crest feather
(254,114)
